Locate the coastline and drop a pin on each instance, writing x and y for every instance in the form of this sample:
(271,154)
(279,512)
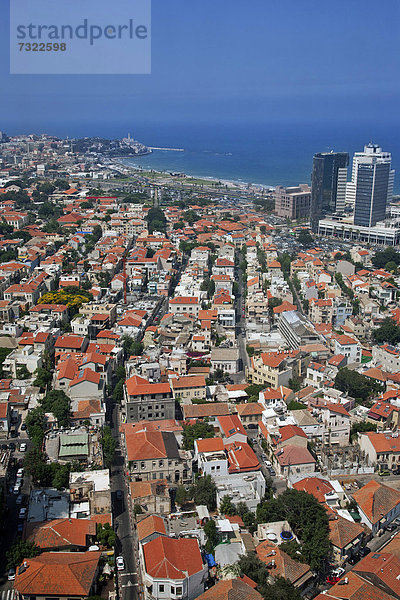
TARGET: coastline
(233,184)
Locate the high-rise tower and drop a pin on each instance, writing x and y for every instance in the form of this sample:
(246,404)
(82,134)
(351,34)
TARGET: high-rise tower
(328,185)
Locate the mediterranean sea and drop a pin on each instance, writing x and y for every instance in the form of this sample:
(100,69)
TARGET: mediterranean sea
(265,154)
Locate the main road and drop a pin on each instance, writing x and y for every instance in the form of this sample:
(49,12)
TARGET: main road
(126,545)
(240,329)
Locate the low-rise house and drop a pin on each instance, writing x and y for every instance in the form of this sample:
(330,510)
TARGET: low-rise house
(152,496)
(188,305)
(313,428)
(293,459)
(336,420)
(210,411)
(150,528)
(381,449)
(250,412)
(172,569)
(378,505)
(188,388)
(147,401)
(232,429)
(211,457)
(345,536)
(156,455)
(241,487)
(381,569)
(52,575)
(231,589)
(387,357)
(242,458)
(225,359)
(64,535)
(288,435)
(279,564)
(273,369)
(350,347)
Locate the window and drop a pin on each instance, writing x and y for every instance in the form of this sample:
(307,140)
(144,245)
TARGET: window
(178,591)
(161,588)
(142,465)
(172,589)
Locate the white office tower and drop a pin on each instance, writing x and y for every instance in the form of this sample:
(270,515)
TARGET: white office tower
(372,152)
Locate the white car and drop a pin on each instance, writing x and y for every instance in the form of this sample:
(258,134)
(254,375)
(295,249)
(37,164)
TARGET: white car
(20,472)
(22,447)
(120,563)
(22,513)
(268,464)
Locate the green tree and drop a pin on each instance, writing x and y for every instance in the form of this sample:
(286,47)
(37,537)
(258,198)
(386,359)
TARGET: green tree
(131,347)
(307,518)
(108,444)
(361,427)
(19,551)
(204,491)
(120,372)
(118,393)
(388,332)
(35,466)
(227,507)
(43,378)
(58,403)
(137,510)
(382,257)
(23,373)
(181,496)
(35,424)
(105,535)
(305,238)
(156,220)
(210,529)
(358,386)
(195,432)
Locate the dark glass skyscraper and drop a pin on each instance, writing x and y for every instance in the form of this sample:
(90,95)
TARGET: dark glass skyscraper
(371,193)
(328,185)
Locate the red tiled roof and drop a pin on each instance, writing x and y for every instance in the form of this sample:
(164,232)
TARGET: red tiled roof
(149,525)
(60,533)
(58,574)
(169,558)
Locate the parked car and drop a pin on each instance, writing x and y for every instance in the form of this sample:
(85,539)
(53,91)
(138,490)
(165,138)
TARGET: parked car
(23,427)
(119,495)
(391,527)
(22,513)
(364,551)
(4,447)
(19,500)
(11,574)
(120,563)
(12,447)
(384,473)
(268,464)
(332,579)
(22,447)
(16,489)
(20,527)
(20,472)
(272,472)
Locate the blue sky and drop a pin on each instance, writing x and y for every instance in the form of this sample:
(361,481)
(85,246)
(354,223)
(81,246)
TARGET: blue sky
(214,60)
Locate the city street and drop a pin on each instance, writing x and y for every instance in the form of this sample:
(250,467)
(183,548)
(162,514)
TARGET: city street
(126,543)
(240,328)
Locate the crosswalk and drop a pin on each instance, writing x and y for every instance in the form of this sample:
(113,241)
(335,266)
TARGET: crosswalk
(7,594)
